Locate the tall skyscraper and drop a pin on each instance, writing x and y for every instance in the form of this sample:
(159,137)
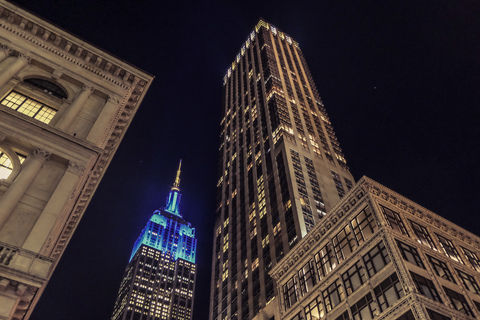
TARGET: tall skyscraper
(281,170)
(379,255)
(159,280)
(65,106)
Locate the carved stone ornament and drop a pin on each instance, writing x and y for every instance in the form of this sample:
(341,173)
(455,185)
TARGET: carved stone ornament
(75,168)
(25,57)
(113,99)
(56,74)
(89,88)
(41,155)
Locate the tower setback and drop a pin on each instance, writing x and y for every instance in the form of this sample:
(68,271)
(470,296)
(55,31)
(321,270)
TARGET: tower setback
(159,280)
(281,171)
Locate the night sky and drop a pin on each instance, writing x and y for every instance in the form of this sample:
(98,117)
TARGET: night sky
(400,81)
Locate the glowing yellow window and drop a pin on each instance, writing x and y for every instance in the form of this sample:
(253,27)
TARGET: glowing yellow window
(6,165)
(29,107)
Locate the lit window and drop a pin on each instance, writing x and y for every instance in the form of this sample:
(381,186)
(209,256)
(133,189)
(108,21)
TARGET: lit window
(441,269)
(6,165)
(458,301)
(449,249)
(29,107)
(423,236)
(472,258)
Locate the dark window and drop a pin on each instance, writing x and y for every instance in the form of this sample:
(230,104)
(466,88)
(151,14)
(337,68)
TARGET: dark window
(449,249)
(325,260)
(477,304)
(376,259)
(314,310)
(407,316)
(364,225)
(422,235)
(343,316)
(354,278)
(441,269)
(290,292)
(472,258)
(458,301)
(333,295)
(47,87)
(394,221)
(364,309)
(469,282)
(437,316)
(425,287)
(410,254)
(344,243)
(306,277)
(388,292)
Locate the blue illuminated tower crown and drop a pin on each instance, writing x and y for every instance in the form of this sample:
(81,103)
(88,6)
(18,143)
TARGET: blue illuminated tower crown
(167,231)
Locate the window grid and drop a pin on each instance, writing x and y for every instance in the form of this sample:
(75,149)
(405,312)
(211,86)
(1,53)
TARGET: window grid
(364,225)
(410,254)
(306,277)
(376,259)
(425,287)
(354,278)
(394,221)
(388,292)
(441,269)
(449,249)
(333,295)
(344,243)
(364,309)
(422,235)
(325,261)
(314,310)
(458,301)
(469,282)
(472,258)
(29,107)
(290,292)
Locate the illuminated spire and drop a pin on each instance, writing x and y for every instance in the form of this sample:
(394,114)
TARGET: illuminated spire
(173,200)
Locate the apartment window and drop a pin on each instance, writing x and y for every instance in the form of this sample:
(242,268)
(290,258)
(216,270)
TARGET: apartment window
(388,292)
(422,235)
(29,107)
(290,292)
(458,301)
(325,261)
(364,309)
(469,282)
(472,258)
(394,221)
(437,316)
(441,269)
(333,295)
(306,277)
(6,165)
(314,310)
(354,278)
(410,254)
(376,259)
(343,316)
(297,317)
(364,225)
(425,287)
(449,249)
(344,243)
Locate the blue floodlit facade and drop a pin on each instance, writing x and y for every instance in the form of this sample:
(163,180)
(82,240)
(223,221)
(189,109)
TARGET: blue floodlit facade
(159,280)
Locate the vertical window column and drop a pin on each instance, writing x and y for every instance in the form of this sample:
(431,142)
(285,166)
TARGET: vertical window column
(74,108)
(14,193)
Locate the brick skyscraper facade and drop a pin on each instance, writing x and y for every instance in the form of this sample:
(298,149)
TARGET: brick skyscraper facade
(281,170)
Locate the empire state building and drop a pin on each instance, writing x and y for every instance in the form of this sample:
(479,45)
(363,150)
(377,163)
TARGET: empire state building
(159,280)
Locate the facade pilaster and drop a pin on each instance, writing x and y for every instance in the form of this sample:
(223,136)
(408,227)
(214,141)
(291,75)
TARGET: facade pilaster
(17,189)
(54,207)
(5,51)
(16,64)
(74,108)
(98,129)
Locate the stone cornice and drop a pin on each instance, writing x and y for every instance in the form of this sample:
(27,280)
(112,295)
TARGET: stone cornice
(70,48)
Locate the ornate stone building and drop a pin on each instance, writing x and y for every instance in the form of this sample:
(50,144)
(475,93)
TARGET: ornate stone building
(64,108)
(378,255)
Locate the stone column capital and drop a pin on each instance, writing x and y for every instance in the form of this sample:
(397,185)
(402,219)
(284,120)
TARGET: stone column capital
(22,56)
(88,88)
(75,168)
(113,99)
(8,50)
(41,155)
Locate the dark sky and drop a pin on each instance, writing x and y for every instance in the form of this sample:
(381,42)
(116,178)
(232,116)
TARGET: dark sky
(399,79)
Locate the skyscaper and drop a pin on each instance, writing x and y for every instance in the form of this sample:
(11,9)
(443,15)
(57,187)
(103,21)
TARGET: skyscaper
(281,171)
(159,280)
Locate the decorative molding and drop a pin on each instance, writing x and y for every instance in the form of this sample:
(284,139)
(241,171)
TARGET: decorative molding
(75,168)
(41,155)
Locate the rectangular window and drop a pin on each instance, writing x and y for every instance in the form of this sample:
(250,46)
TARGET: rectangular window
(326,261)
(469,282)
(407,316)
(441,269)
(472,258)
(376,259)
(394,221)
(297,317)
(388,292)
(422,235)
(364,309)
(364,225)
(437,316)
(343,316)
(333,295)
(306,277)
(29,107)
(290,292)
(344,243)
(354,278)
(449,249)
(458,301)
(425,287)
(314,310)
(410,254)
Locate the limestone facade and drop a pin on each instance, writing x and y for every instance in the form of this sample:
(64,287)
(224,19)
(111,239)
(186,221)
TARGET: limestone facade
(378,255)
(64,108)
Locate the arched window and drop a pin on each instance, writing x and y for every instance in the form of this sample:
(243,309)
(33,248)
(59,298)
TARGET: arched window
(48,87)
(6,164)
